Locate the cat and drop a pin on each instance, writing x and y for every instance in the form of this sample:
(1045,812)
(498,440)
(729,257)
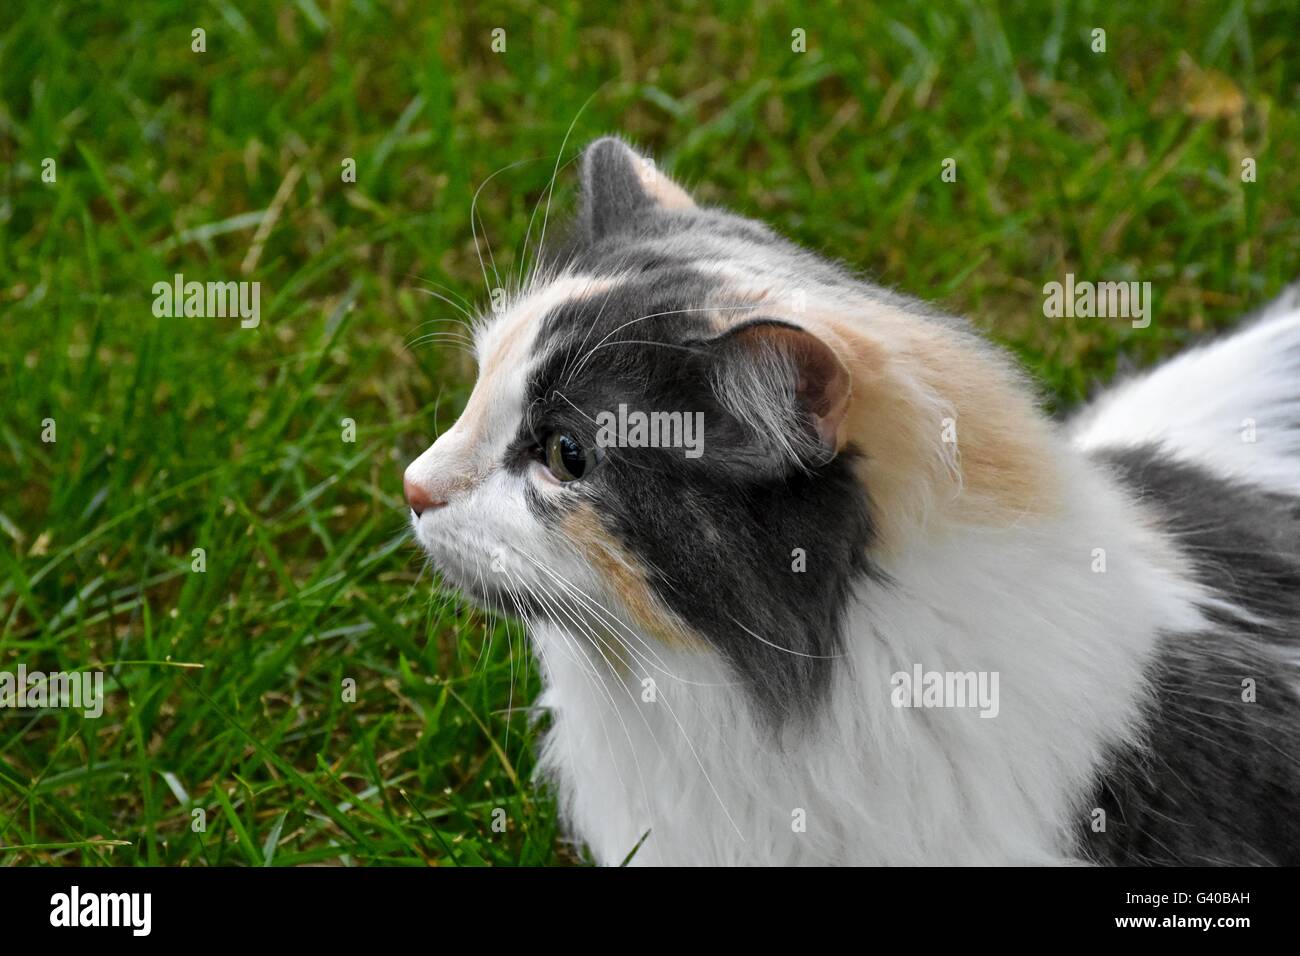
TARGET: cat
(891,613)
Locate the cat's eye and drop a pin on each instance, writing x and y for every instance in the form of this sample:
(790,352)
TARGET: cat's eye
(566,458)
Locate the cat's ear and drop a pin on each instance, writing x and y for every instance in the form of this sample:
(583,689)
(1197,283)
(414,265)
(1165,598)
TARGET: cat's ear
(787,387)
(619,185)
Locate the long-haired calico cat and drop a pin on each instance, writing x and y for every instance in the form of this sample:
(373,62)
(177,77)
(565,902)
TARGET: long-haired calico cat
(811,579)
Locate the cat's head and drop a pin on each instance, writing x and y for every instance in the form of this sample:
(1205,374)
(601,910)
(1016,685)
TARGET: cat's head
(805,416)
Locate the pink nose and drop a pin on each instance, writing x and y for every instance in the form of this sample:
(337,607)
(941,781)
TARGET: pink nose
(419,499)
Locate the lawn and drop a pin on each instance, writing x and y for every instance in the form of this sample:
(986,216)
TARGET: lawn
(217,524)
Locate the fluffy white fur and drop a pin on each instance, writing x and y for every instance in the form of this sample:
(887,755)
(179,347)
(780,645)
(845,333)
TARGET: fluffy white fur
(878,784)
(1232,406)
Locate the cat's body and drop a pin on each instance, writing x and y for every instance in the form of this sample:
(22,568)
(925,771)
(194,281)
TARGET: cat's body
(721,637)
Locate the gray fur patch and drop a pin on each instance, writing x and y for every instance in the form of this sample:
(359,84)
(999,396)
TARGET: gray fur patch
(1217,778)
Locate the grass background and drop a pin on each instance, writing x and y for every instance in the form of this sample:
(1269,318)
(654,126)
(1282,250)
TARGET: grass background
(175,434)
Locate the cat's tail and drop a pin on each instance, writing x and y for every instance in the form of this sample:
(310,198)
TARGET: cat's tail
(1231,405)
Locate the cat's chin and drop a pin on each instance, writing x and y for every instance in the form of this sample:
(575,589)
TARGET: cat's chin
(483,592)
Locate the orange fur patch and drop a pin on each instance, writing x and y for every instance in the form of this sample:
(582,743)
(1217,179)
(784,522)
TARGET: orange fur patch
(627,578)
(915,383)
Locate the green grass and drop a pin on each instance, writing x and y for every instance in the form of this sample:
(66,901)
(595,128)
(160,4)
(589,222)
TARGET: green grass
(225,686)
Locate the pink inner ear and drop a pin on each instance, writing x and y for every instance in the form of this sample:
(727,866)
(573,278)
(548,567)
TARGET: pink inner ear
(667,194)
(824,383)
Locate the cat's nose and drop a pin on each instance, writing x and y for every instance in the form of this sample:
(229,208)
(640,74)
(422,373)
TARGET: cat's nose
(418,497)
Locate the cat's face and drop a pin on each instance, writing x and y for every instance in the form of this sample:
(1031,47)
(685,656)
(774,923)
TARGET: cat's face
(750,522)
(747,537)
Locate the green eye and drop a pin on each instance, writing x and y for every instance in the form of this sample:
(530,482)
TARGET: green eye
(566,458)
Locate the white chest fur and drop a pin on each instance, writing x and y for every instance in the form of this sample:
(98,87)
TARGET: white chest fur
(869,782)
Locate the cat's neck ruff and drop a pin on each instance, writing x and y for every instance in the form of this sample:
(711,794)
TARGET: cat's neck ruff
(1066,613)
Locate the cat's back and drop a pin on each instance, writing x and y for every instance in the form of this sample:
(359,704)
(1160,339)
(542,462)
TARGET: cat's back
(1209,446)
